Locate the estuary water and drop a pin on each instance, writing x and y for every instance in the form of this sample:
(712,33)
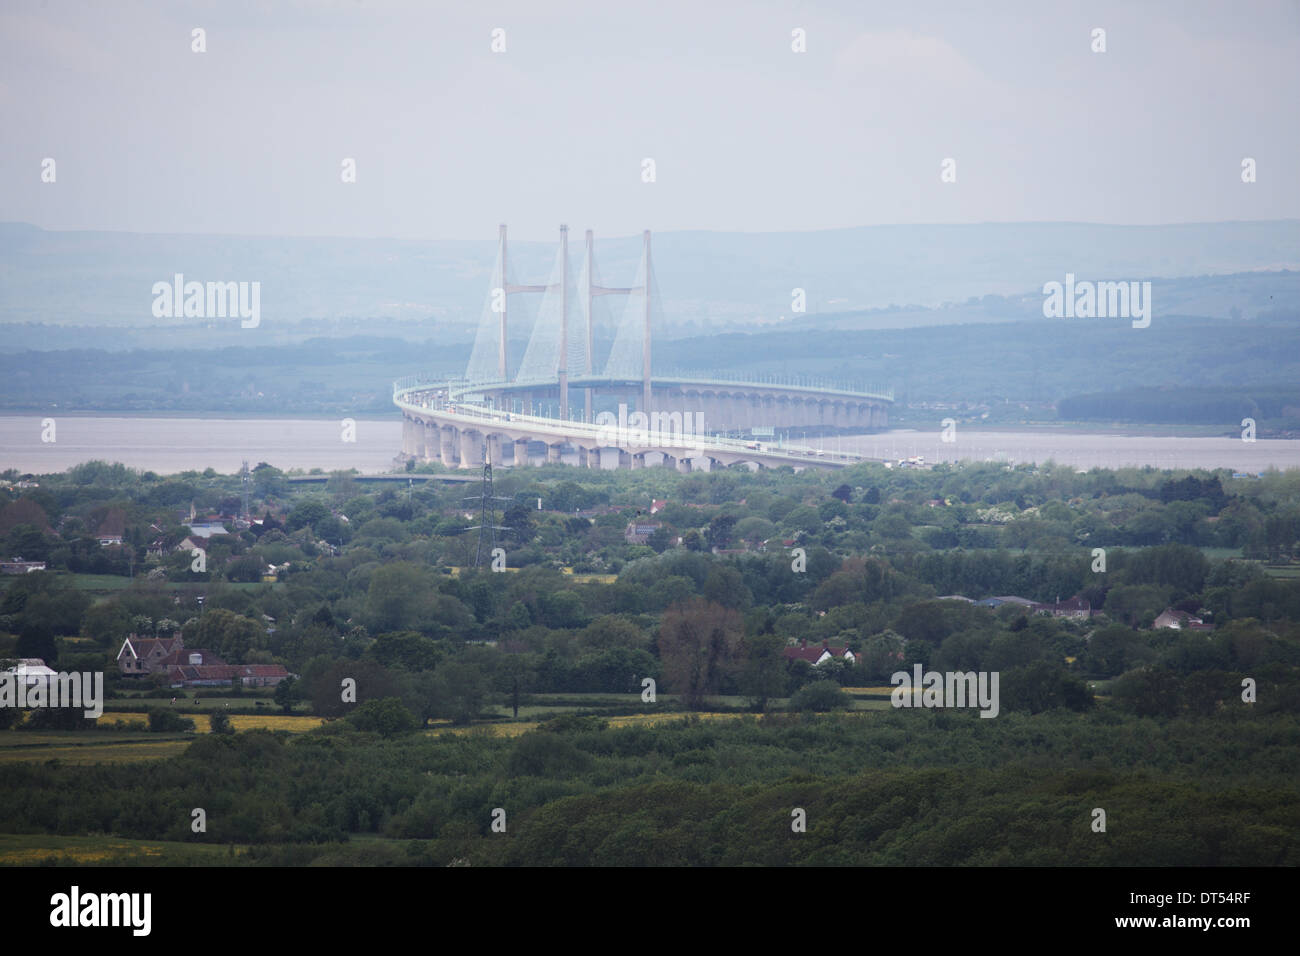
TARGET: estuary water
(28,443)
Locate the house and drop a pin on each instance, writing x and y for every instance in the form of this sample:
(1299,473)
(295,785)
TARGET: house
(818,654)
(206,529)
(190,542)
(657,505)
(19,566)
(1000,600)
(30,671)
(1180,621)
(224,675)
(639,532)
(109,540)
(1076,609)
(145,655)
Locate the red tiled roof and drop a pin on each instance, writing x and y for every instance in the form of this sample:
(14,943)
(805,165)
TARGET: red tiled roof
(813,652)
(224,671)
(144,646)
(181,655)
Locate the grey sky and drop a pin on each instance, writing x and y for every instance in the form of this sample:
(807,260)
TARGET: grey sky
(451,138)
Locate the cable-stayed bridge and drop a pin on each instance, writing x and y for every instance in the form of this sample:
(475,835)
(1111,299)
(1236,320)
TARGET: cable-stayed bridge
(683,420)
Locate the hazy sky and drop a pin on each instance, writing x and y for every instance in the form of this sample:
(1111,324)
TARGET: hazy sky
(450,138)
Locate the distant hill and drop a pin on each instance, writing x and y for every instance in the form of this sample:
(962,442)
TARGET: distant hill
(710,281)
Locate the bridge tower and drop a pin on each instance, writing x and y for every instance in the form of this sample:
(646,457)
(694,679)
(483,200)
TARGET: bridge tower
(645,342)
(547,356)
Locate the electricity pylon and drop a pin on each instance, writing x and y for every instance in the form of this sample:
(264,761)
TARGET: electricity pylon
(487,526)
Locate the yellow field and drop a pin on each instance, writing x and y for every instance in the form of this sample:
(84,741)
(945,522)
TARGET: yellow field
(34,849)
(297,724)
(76,855)
(877,691)
(630,720)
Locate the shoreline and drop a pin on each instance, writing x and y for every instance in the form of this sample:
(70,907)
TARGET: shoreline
(1117,430)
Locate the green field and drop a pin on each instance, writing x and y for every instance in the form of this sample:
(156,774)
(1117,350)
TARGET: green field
(1287,572)
(88,746)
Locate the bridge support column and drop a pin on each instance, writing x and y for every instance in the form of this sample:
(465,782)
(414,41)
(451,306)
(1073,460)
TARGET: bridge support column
(638,461)
(447,444)
(624,459)
(494,449)
(520,452)
(428,437)
(591,456)
(471,449)
(669,461)
(553,454)
(684,465)
(408,438)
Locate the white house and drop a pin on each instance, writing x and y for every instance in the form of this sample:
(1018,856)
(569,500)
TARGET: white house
(30,671)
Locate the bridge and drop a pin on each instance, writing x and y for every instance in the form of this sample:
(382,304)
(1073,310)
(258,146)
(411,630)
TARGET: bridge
(625,416)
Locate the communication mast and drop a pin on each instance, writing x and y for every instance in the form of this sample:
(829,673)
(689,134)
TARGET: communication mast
(245,489)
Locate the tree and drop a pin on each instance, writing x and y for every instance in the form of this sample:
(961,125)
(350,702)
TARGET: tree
(1135,605)
(518,618)
(309,511)
(462,689)
(37,640)
(269,481)
(1110,649)
(286,693)
(718,532)
(660,540)
(763,675)
(228,635)
(699,645)
(819,696)
(881,656)
(403,597)
(1148,693)
(514,676)
(1042,686)
(725,586)
(519,519)
(386,716)
(247,568)
(324,680)
(407,650)
(219,722)
(165,721)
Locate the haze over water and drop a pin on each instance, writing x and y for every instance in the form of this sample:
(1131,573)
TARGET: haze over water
(170,445)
